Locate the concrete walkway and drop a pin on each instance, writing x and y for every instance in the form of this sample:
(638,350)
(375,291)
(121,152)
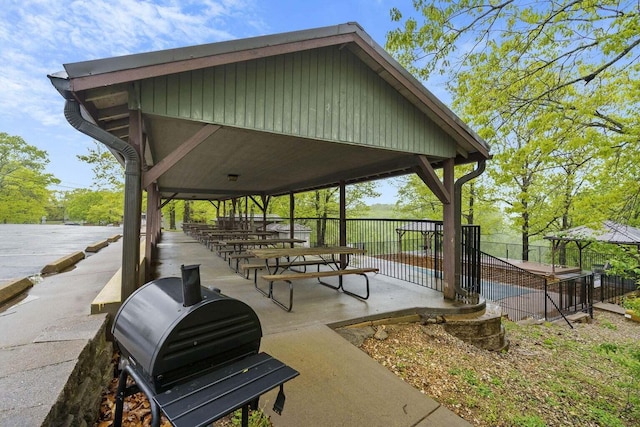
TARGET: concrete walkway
(339,385)
(41,341)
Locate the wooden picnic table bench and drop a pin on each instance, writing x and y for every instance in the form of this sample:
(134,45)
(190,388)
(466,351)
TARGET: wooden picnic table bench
(290,277)
(255,266)
(281,259)
(213,237)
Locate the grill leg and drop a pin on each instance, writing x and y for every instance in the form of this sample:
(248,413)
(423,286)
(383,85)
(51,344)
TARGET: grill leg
(155,410)
(122,384)
(245,416)
(121,393)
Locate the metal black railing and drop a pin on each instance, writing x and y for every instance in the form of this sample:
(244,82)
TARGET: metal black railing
(519,292)
(610,288)
(523,294)
(569,255)
(411,250)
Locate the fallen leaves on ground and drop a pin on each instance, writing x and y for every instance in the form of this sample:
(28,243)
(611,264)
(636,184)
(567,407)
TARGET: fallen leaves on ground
(137,411)
(551,376)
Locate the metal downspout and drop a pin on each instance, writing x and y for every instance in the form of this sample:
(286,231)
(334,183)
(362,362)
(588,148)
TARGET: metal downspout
(457,223)
(132,195)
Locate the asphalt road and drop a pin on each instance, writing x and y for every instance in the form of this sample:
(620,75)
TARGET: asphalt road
(26,248)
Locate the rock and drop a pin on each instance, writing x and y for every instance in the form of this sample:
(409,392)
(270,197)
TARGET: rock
(356,336)
(381,334)
(579,318)
(431,320)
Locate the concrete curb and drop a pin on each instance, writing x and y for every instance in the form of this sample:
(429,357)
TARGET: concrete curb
(114,238)
(62,263)
(97,246)
(13,289)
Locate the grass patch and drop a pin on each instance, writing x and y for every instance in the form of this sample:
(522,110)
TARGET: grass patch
(551,375)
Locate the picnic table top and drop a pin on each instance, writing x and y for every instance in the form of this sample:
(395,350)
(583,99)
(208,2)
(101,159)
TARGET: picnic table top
(240,233)
(267,253)
(259,242)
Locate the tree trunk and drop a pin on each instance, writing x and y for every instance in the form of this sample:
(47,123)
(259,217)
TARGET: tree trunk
(525,233)
(172,215)
(186,217)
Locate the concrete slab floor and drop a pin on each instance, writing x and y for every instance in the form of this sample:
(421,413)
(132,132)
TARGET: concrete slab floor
(339,385)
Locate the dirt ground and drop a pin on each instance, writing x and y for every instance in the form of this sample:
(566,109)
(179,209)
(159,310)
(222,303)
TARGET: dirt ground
(551,375)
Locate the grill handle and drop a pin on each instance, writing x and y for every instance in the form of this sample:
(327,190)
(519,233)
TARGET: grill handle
(191,293)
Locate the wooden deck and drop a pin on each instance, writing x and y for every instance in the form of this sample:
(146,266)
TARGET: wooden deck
(542,269)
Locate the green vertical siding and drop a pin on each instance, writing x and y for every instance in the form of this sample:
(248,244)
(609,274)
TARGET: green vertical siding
(326,93)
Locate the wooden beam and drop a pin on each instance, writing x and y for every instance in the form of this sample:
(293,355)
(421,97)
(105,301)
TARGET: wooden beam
(185,148)
(426,172)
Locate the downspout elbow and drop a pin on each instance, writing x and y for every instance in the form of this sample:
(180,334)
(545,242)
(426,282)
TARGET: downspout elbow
(468,177)
(74,117)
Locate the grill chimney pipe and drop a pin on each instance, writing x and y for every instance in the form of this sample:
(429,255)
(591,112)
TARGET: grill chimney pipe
(191,293)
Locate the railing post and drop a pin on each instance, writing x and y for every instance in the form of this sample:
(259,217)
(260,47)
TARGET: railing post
(546,294)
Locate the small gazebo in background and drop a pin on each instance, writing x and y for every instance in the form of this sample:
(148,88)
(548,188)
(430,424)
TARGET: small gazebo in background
(583,236)
(429,230)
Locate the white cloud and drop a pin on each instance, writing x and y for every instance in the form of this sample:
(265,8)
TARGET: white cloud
(38,36)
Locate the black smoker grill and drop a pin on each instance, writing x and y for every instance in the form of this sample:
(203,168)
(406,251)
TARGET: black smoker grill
(193,352)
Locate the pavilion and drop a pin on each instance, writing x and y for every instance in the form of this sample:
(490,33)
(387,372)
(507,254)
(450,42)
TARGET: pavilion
(267,116)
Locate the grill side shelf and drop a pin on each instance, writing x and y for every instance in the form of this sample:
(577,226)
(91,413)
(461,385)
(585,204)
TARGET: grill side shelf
(208,398)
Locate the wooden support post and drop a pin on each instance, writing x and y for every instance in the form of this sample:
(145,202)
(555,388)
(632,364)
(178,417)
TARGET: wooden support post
(343,222)
(292,215)
(449,221)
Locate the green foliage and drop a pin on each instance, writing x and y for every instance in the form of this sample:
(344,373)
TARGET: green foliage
(256,419)
(24,196)
(528,421)
(325,203)
(632,303)
(108,174)
(415,200)
(96,207)
(380,210)
(553,87)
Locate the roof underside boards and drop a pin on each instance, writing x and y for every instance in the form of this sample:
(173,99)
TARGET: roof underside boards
(265,163)
(297,111)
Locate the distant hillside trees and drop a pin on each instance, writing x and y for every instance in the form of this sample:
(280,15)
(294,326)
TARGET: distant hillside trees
(104,202)
(24,195)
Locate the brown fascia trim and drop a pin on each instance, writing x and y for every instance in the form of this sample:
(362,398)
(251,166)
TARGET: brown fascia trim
(135,74)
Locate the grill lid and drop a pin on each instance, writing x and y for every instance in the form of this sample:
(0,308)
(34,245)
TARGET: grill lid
(168,342)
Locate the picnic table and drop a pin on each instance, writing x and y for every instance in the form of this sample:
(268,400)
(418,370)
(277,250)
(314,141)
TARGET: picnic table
(280,260)
(213,237)
(239,245)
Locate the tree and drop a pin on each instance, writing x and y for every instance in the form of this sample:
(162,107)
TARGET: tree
(96,207)
(24,193)
(324,204)
(415,200)
(108,174)
(553,86)
(583,43)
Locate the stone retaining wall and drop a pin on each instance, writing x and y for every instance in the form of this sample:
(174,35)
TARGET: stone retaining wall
(79,402)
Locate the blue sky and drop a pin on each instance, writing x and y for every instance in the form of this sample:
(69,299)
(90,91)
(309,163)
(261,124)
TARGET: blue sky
(38,36)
